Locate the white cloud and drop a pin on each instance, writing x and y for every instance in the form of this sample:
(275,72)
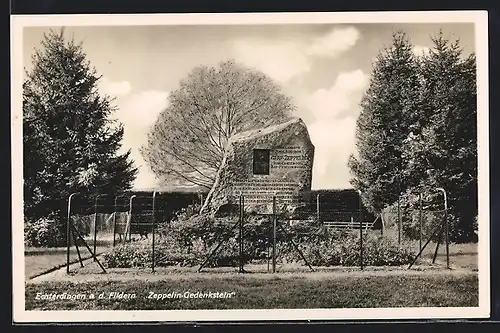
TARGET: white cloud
(420,50)
(145,177)
(137,113)
(326,104)
(333,135)
(114,89)
(286,59)
(335,42)
(141,110)
(280,60)
(334,141)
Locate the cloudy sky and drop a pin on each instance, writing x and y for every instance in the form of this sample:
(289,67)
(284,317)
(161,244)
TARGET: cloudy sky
(324,68)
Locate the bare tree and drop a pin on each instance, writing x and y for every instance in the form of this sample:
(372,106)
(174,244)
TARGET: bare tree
(212,104)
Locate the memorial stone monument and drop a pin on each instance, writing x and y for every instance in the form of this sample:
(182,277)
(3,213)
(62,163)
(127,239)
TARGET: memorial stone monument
(262,163)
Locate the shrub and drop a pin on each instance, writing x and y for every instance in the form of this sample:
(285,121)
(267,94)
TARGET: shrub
(130,255)
(51,231)
(44,232)
(191,237)
(187,241)
(430,221)
(461,223)
(381,251)
(82,223)
(342,248)
(167,253)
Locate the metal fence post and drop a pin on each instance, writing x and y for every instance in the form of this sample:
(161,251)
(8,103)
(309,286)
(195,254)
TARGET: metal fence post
(153,236)
(446,232)
(241,234)
(68,232)
(399,220)
(382,223)
(130,218)
(420,220)
(114,221)
(360,231)
(95,224)
(268,254)
(274,234)
(318,208)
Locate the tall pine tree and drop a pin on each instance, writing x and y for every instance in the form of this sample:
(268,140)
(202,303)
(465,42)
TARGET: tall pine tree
(387,110)
(70,143)
(418,131)
(443,149)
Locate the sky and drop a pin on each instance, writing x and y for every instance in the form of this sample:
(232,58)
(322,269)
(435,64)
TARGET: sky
(324,68)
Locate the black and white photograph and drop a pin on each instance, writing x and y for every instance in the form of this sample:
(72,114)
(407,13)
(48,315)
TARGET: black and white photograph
(228,167)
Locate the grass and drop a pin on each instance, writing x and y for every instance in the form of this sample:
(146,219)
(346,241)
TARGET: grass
(38,261)
(35,265)
(461,255)
(274,293)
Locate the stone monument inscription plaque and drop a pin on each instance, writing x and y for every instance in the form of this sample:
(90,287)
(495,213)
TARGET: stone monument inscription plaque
(295,157)
(261,191)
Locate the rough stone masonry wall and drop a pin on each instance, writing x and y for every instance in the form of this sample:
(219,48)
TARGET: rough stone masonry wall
(291,158)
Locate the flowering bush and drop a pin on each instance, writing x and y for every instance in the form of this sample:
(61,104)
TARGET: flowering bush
(127,255)
(189,239)
(343,249)
(44,232)
(380,251)
(51,231)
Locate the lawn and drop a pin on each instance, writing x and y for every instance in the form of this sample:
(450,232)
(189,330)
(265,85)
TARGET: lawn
(432,290)
(36,264)
(41,260)
(461,255)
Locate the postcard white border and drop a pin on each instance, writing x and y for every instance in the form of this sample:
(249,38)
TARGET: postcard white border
(479,18)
